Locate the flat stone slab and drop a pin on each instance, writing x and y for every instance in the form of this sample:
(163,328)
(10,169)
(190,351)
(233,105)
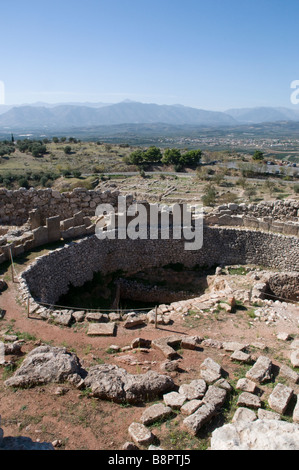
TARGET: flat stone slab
(261,370)
(63,317)
(280,398)
(96,317)
(215,396)
(241,356)
(174,399)
(157,412)
(191,342)
(246,385)
(210,371)
(289,373)
(266,414)
(101,329)
(140,434)
(190,407)
(132,322)
(195,390)
(202,415)
(250,400)
(244,414)
(234,346)
(79,316)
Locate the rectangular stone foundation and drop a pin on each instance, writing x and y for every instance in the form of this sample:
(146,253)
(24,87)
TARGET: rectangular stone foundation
(101,329)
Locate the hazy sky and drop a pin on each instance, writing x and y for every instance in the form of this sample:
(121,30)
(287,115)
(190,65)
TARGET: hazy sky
(211,54)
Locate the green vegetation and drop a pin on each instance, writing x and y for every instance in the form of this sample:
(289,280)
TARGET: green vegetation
(258,155)
(172,156)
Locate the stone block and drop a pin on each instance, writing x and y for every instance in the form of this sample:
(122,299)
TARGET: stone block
(40,236)
(53,226)
(261,370)
(101,329)
(157,412)
(280,398)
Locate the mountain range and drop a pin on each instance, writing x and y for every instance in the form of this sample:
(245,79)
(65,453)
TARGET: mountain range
(75,115)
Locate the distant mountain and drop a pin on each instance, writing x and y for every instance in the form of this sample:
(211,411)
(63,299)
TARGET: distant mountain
(4,108)
(127,112)
(263,114)
(59,117)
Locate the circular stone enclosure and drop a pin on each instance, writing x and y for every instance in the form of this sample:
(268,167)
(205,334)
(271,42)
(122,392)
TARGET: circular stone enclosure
(50,276)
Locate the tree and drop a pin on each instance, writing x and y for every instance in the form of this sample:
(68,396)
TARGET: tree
(38,149)
(171,157)
(67,149)
(191,158)
(209,196)
(258,155)
(153,155)
(137,157)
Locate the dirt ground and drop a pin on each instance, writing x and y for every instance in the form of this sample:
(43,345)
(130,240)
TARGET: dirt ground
(82,422)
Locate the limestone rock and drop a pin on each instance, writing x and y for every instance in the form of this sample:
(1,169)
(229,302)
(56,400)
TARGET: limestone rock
(101,329)
(244,414)
(63,317)
(250,400)
(190,407)
(289,373)
(133,320)
(234,346)
(295,358)
(110,382)
(96,317)
(215,396)
(261,370)
(141,343)
(256,435)
(174,400)
(241,356)
(140,434)
(265,414)
(154,413)
(191,342)
(202,415)
(246,385)
(167,344)
(46,364)
(280,398)
(195,390)
(79,316)
(210,370)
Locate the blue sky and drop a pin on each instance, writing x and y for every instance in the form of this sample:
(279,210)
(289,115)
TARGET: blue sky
(212,54)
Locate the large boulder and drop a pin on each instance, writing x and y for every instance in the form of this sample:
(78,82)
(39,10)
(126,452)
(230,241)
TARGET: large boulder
(256,435)
(110,382)
(46,364)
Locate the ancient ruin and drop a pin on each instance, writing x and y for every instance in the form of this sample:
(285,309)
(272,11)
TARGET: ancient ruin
(259,241)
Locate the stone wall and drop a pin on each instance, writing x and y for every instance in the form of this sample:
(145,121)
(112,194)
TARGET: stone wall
(16,205)
(277,217)
(50,276)
(287,209)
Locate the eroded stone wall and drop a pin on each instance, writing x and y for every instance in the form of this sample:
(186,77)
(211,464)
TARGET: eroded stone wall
(50,276)
(16,205)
